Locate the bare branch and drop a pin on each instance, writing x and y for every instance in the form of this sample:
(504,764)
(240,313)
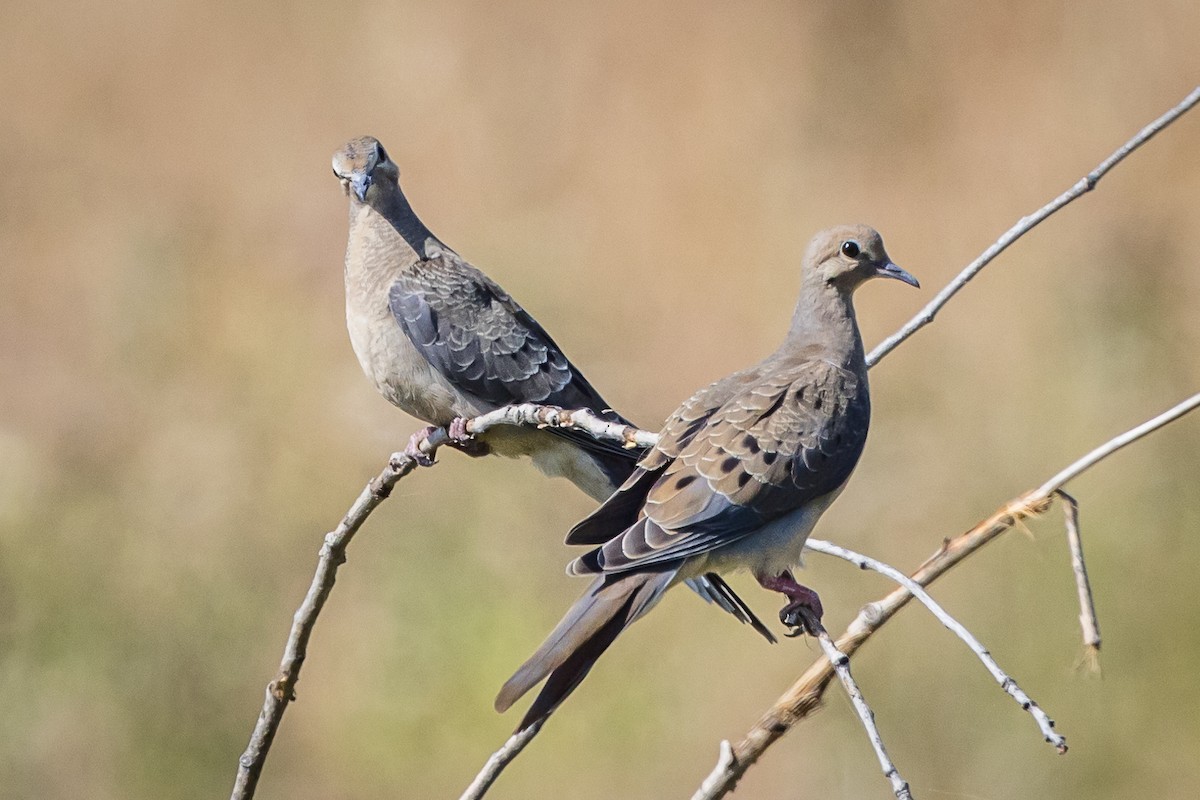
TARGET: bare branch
(1026,224)
(1006,682)
(841,663)
(282,690)
(1108,448)
(726,765)
(554,417)
(1087,606)
(501,759)
(804,696)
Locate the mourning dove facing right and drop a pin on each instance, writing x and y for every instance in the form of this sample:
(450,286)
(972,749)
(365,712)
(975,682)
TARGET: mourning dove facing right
(740,475)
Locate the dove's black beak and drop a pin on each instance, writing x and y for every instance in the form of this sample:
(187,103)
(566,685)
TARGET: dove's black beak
(889,270)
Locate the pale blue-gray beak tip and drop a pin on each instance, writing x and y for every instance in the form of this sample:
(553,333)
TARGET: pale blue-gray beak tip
(360,182)
(890,270)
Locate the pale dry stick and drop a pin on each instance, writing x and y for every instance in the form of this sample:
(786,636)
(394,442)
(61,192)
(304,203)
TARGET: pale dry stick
(841,663)
(804,696)
(1006,681)
(499,760)
(726,764)
(282,690)
(1083,587)
(555,417)
(1113,445)
(1028,223)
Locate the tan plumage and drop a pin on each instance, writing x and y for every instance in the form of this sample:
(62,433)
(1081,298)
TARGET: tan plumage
(442,341)
(740,475)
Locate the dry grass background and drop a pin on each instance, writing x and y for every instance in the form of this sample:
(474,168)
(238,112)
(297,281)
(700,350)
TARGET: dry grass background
(181,417)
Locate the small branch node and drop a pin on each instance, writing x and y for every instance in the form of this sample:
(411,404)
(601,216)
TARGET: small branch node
(871,614)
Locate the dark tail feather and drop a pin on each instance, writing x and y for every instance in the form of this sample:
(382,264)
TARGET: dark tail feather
(593,623)
(713,588)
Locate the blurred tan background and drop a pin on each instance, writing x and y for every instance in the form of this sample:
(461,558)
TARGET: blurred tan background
(182,419)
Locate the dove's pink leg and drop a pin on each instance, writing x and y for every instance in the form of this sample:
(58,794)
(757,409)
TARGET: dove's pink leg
(460,439)
(799,597)
(413,450)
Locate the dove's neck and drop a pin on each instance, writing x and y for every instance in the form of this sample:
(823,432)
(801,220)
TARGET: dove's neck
(386,238)
(824,317)
(390,210)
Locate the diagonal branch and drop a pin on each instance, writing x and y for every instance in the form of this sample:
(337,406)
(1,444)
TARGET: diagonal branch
(929,312)
(282,690)
(841,664)
(1026,224)
(805,694)
(501,759)
(1083,587)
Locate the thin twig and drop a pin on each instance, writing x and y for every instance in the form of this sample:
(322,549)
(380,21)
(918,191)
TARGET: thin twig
(804,696)
(555,417)
(726,765)
(499,760)
(1026,224)
(841,664)
(1006,682)
(282,690)
(1110,447)
(1087,606)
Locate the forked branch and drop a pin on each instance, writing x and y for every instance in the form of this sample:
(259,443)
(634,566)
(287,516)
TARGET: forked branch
(805,694)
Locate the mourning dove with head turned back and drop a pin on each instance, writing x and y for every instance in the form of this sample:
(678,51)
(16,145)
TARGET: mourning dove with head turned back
(445,343)
(739,477)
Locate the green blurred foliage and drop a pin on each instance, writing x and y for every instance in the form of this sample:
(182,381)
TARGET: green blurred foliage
(182,419)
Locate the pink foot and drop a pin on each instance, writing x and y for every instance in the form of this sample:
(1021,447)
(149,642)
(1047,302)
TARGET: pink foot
(460,439)
(413,450)
(458,430)
(801,600)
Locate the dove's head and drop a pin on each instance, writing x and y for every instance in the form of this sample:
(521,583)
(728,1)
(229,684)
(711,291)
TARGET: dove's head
(362,163)
(847,256)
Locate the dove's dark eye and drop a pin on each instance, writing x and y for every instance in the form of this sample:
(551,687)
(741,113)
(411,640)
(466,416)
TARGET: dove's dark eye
(380,154)
(850,248)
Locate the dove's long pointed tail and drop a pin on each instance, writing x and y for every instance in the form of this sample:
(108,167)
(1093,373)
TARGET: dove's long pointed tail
(610,604)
